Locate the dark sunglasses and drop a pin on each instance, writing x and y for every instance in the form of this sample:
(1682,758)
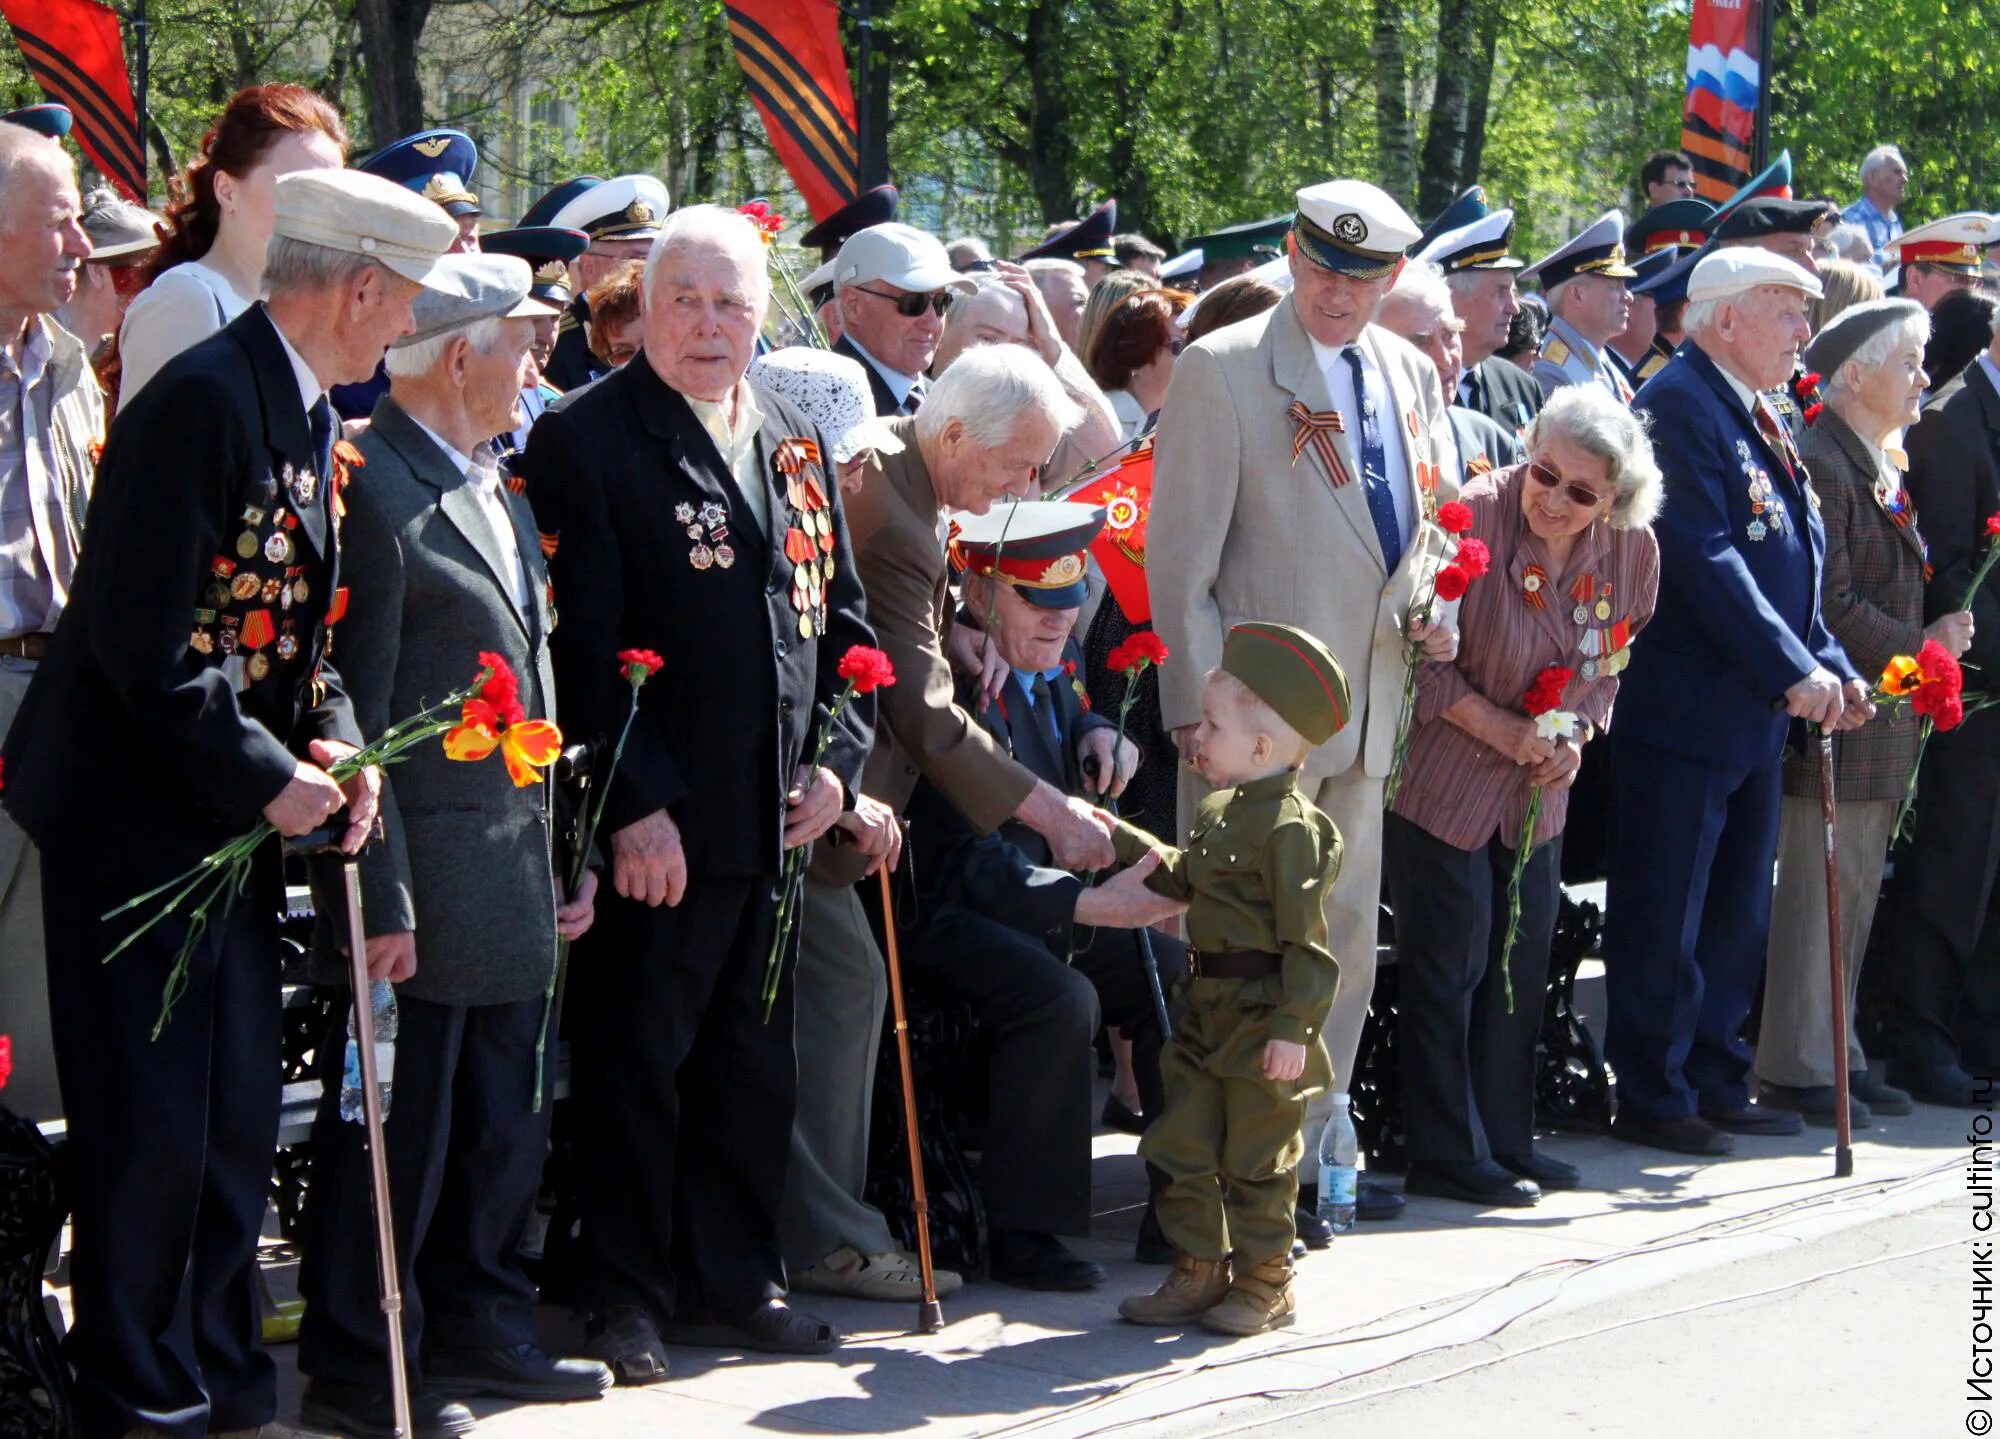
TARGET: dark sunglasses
(911,306)
(1581,495)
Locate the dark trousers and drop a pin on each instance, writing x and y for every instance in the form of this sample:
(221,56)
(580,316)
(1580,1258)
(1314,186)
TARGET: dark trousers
(1040,1014)
(170,1145)
(465,1149)
(1468,1065)
(1936,993)
(684,1099)
(1688,920)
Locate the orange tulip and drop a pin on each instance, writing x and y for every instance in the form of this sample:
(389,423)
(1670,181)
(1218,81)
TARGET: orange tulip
(527,747)
(1901,676)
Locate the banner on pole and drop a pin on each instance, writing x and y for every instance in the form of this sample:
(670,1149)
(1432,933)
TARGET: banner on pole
(791,55)
(76,53)
(1724,75)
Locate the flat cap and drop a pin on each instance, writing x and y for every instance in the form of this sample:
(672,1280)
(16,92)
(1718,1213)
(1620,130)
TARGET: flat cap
(363,215)
(1852,328)
(1292,672)
(464,289)
(1352,227)
(1723,273)
(120,232)
(892,254)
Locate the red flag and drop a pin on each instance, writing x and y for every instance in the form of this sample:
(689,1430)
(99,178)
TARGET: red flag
(1126,492)
(1719,119)
(77,55)
(791,55)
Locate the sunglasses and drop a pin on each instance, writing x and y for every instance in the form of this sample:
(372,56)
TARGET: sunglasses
(1581,495)
(1687,185)
(911,306)
(1176,345)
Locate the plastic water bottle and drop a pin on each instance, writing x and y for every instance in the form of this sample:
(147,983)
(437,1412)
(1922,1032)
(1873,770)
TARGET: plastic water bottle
(1339,1151)
(382,999)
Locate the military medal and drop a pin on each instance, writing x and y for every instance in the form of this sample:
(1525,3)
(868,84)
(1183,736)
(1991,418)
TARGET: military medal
(244,587)
(288,643)
(203,642)
(301,591)
(278,548)
(246,545)
(302,485)
(683,513)
(271,588)
(1532,580)
(701,556)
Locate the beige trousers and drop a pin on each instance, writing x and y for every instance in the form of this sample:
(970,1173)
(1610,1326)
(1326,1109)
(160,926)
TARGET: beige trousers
(24,979)
(1795,1041)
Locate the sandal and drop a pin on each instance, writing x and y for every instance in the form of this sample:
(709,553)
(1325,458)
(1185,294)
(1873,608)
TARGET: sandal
(893,1277)
(771,1328)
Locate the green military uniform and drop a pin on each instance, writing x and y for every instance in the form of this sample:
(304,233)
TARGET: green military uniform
(1256,872)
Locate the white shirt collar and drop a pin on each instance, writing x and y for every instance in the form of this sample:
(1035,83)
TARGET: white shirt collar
(461,461)
(1745,396)
(1992,370)
(311,391)
(749,419)
(899,383)
(36,353)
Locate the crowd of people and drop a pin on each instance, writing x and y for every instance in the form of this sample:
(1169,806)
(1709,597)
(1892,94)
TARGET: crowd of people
(1419,550)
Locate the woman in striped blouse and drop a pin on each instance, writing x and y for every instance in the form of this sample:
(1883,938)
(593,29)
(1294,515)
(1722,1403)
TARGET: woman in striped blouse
(1574,570)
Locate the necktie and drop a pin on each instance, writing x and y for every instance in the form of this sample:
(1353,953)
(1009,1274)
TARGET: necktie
(1774,432)
(914,401)
(1374,468)
(1469,393)
(320,419)
(1045,712)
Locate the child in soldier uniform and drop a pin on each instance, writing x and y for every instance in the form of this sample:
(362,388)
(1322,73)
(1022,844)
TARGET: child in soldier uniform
(1248,1052)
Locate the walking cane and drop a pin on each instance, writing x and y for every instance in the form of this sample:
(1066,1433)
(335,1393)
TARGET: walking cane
(1843,1135)
(930,1314)
(327,841)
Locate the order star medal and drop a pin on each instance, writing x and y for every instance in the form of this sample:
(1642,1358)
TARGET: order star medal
(302,485)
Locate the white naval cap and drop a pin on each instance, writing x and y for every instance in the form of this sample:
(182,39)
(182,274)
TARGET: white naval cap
(1953,243)
(1599,250)
(625,207)
(1481,244)
(1352,227)
(363,214)
(468,288)
(1741,268)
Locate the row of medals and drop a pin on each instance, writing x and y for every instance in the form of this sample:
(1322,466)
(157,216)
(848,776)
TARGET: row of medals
(278,548)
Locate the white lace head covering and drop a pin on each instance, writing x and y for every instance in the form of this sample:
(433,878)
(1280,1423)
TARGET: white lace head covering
(832,390)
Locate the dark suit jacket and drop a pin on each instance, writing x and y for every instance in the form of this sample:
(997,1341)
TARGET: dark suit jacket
(143,744)
(743,694)
(1955,480)
(1007,875)
(885,398)
(572,365)
(1505,393)
(1739,618)
(1483,445)
(466,862)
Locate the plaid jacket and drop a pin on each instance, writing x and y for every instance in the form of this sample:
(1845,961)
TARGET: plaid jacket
(1872,593)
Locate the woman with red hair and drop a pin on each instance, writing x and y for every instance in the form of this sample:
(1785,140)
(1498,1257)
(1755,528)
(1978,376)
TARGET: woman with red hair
(210,267)
(1133,355)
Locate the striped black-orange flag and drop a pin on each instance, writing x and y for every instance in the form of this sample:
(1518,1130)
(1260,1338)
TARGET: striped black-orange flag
(791,55)
(76,53)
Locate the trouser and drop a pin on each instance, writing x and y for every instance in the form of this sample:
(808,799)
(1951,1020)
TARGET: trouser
(1795,1038)
(684,1096)
(1353,801)
(842,986)
(169,1146)
(24,981)
(1468,1064)
(1040,1015)
(1688,919)
(464,1148)
(1939,997)
(1229,1140)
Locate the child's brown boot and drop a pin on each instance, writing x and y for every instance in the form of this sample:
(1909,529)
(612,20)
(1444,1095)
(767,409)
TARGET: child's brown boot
(1195,1287)
(1260,1299)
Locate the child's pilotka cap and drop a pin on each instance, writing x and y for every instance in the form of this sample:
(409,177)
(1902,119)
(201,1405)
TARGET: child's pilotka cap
(1293,673)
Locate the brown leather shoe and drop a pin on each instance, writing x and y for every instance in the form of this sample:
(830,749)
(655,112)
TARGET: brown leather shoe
(1259,1300)
(1195,1287)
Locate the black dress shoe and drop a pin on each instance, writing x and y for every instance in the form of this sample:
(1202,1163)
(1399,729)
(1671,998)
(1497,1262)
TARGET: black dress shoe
(1152,1246)
(1376,1201)
(1753,1119)
(1308,1227)
(1548,1173)
(1813,1103)
(1879,1095)
(1030,1260)
(1117,1117)
(1942,1084)
(1473,1181)
(522,1372)
(361,1411)
(1684,1134)
(625,1338)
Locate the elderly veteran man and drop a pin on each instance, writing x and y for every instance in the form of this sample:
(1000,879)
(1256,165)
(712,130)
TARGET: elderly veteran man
(51,420)
(461,899)
(1737,644)
(1299,458)
(892,284)
(1036,951)
(187,694)
(1584,283)
(673,502)
(1480,271)
(1418,307)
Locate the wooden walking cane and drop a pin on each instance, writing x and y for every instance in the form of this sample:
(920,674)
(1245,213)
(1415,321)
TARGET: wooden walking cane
(1843,1134)
(930,1314)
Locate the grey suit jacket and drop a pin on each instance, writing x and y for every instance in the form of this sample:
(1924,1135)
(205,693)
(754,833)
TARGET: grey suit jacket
(466,863)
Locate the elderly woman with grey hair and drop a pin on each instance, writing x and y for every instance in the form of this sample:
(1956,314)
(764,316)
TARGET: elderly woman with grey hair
(1872,593)
(1573,574)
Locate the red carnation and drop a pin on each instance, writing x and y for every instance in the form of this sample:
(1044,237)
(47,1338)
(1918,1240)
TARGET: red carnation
(1451,582)
(1813,412)
(1454,517)
(1809,382)
(500,688)
(866,669)
(639,665)
(1473,557)
(1142,649)
(6,1059)
(1546,693)
(1069,667)
(3,772)
(1993,525)
(1938,689)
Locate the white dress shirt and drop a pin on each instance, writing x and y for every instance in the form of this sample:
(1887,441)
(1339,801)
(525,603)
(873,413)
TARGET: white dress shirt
(1340,389)
(738,447)
(899,383)
(482,477)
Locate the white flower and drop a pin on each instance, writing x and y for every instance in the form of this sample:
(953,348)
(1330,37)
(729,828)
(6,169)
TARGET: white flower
(1555,724)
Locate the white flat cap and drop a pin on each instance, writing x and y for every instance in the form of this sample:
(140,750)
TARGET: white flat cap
(1353,227)
(363,214)
(832,391)
(899,255)
(1743,268)
(467,288)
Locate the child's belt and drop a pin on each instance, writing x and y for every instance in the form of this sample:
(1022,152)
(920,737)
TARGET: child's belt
(1234,964)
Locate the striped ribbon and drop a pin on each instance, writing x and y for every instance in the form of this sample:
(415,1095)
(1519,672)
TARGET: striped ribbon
(1317,428)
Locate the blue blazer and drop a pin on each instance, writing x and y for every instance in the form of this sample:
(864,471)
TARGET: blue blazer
(1738,621)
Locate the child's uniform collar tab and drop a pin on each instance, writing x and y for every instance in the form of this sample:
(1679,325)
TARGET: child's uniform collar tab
(1271,786)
